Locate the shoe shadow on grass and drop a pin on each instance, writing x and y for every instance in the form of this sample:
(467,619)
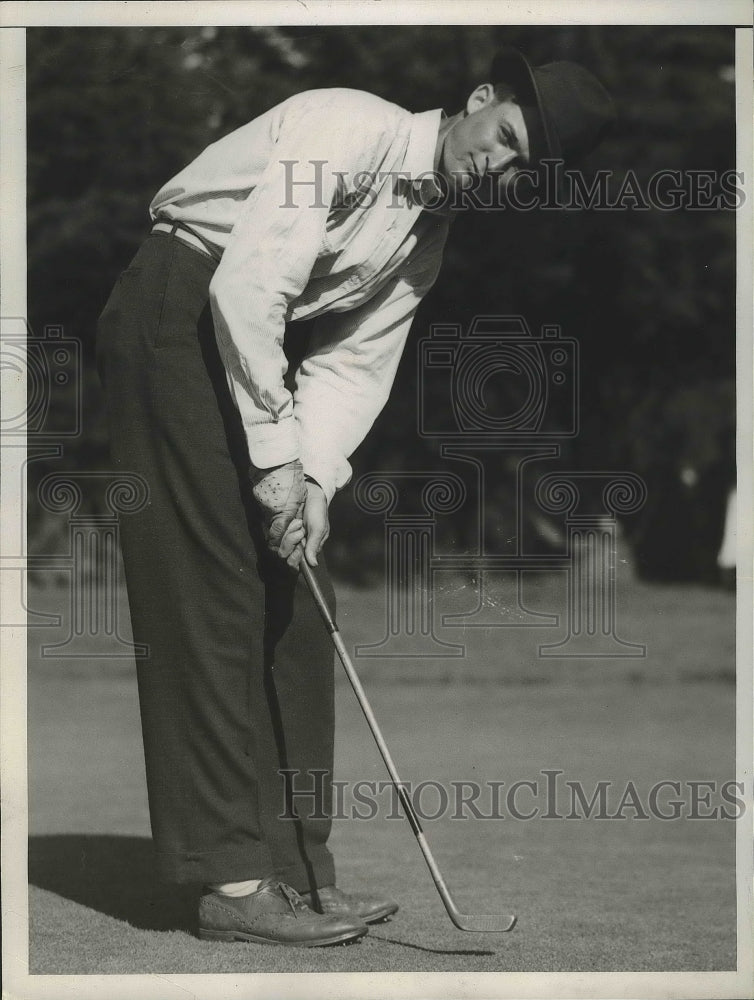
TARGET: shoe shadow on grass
(116,876)
(432,951)
(113,875)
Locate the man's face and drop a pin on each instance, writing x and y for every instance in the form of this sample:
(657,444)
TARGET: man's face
(490,142)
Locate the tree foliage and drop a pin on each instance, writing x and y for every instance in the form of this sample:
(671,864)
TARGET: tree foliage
(650,295)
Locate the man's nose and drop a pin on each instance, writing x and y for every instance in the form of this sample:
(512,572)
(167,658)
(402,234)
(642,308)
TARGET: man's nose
(499,160)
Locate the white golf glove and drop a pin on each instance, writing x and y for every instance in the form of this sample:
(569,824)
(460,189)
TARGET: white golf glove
(280,493)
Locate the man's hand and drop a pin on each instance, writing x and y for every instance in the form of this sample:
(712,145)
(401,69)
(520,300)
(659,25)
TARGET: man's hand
(281,494)
(311,530)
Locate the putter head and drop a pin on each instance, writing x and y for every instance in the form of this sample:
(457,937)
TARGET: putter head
(484,924)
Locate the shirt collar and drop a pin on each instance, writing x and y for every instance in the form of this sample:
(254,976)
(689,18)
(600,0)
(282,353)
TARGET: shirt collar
(420,154)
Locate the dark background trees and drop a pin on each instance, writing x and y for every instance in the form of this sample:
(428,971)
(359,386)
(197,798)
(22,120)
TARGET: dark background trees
(649,295)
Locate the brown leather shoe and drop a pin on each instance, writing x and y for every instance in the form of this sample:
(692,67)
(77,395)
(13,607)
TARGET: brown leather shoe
(331,900)
(274,914)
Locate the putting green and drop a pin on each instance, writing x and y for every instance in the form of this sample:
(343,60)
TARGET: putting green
(594,895)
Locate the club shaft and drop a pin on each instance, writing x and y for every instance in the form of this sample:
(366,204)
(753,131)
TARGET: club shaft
(366,708)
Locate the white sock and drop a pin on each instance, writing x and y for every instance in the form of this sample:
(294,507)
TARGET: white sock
(236,888)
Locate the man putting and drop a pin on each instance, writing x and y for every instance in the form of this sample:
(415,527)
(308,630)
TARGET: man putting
(333,205)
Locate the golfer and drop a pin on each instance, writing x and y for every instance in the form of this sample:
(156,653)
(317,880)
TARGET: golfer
(335,204)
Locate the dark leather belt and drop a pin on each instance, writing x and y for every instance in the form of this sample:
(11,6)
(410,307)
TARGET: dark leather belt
(189,237)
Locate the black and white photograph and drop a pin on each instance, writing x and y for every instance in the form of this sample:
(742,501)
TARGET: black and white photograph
(376,555)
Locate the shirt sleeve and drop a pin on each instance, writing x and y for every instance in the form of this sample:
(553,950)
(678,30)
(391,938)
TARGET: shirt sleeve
(266,265)
(344,383)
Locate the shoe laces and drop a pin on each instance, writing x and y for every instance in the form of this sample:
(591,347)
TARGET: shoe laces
(295,901)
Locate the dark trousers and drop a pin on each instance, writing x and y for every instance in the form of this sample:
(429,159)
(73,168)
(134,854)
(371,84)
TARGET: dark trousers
(237,687)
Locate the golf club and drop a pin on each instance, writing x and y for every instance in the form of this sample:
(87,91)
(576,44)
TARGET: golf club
(463,921)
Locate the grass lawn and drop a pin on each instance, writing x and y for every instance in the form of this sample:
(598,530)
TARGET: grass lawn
(591,895)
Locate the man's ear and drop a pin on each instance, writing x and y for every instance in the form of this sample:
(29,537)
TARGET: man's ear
(480,98)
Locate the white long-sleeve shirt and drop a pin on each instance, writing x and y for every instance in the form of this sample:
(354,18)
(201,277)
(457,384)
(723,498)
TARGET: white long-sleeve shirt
(317,208)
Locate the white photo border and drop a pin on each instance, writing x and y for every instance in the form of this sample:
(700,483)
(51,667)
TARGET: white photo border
(14,17)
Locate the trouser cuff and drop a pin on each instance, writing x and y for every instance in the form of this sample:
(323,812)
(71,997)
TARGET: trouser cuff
(317,872)
(214,866)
